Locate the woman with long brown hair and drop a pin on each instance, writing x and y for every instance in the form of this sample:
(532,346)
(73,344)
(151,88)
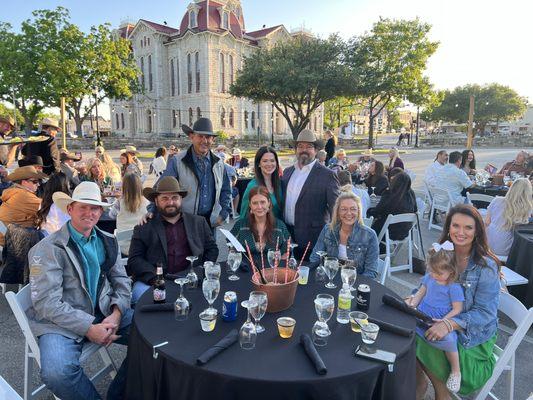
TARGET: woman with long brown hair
(476,325)
(260,228)
(128,164)
(376,179)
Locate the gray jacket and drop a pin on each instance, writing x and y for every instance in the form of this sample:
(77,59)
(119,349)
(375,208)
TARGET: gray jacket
(61,302)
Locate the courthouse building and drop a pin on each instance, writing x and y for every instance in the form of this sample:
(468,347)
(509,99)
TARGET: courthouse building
(186,73)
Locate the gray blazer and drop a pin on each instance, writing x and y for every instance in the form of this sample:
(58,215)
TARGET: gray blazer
(61,302)
(314,206)
(148,245)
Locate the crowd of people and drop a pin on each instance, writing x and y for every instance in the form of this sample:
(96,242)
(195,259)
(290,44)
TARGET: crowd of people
(82,291)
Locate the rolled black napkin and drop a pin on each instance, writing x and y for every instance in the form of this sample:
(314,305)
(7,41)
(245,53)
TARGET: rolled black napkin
(310,350)
(227,341)
(385,326)
(402,306)
(157,307)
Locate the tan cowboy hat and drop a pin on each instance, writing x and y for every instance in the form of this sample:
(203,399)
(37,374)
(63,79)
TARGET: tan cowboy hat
(65,155)
(27,172)
(306,135)
(236,152)
(168,184)
(8,119)
(86,192)
(50,122)
(131,149)
(368,152)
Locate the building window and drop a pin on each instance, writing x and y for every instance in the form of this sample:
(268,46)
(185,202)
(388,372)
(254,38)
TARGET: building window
(179,117)
(225,20)
(172,79)
(246,120)
(222,74)
(174,119)
(141,43)
(149,121)
(142,73)
(198,113)
(193,22)
(189,74)
(197,69)
(231,70)
(116,119)
(253,120)
(150,77)
(222,117)
(191,116)
(178,76)
(148,41)
(122,119)
(315,123)
(231,124)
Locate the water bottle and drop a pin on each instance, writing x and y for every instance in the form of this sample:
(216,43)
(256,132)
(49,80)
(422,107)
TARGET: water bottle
(344,304)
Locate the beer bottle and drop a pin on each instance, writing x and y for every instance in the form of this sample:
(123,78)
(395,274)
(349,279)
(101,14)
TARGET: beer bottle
(160,293)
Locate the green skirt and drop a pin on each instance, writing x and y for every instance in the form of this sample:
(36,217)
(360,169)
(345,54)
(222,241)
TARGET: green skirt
(477,363)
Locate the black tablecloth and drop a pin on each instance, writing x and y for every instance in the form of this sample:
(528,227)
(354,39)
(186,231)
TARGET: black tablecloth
(490,190)
(241,185)
(277,368)
(106,223)
(519,260)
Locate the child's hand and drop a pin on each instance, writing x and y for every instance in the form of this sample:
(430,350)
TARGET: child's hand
(437,319)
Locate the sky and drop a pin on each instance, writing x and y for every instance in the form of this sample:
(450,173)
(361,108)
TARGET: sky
(481,41)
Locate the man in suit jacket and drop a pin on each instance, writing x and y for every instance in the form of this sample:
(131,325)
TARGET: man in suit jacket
(168,238)
(310,193)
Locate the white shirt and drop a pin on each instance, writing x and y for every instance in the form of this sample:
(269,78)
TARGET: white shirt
(294,187)
(159,164)
(54,220)
(343,254)
(432,173)
(454,180)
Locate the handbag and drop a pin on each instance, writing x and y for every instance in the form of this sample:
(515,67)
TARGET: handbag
(419,265)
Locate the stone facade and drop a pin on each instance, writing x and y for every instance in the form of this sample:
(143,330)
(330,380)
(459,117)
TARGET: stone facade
(187,72)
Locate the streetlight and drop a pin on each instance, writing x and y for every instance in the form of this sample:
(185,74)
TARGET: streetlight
(95,92)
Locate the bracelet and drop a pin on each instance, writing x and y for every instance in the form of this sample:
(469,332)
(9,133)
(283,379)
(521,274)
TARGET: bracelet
(448,325)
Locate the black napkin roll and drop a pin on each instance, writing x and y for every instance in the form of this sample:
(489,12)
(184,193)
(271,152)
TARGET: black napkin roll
(310,350)
(227,341)
(385,326)
(402,306)
(157,307)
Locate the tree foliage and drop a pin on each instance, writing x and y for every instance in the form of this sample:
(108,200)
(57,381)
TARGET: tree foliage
(337,111)
(389,62)
(297,76)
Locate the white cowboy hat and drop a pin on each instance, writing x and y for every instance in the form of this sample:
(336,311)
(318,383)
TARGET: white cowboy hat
(131,149)
(50,122)
(85,192)
(236,152)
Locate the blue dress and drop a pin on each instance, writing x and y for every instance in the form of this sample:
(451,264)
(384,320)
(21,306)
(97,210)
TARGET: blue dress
(437,303)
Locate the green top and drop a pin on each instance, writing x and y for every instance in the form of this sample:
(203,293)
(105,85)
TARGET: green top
(92,253)
(106,182)
(245,202)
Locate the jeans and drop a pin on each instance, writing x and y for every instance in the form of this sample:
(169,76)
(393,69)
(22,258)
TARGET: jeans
(137,291)
(62,373)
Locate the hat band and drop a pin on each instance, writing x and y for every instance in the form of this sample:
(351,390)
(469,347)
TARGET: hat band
(87,199)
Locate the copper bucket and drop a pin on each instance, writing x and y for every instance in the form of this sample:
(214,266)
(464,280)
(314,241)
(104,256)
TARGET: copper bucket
(497,179)
(281,295)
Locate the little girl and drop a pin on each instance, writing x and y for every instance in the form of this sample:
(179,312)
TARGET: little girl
(442,298)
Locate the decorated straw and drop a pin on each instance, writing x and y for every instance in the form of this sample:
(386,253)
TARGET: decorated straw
(287,258)
(305,252)
(262,258)
(254,269)
(276,261)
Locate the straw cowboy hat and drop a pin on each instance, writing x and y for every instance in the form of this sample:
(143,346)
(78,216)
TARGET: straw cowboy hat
(168,184)
(203,126)
(368,152)
(31,160)
(85,192)
(306,135)
(65,155)
(7,119)
(50,122)
(131,149)
(236,152)
(23,173)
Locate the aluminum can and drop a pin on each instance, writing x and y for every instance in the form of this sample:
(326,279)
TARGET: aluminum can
(229,306)
(363,297)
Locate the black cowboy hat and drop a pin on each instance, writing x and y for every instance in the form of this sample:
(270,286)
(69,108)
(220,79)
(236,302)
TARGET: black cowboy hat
(203,126)
(31,160)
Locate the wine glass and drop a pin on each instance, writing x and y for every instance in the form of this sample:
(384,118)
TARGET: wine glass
(182,306)
(258,312)
(293,263)
(324,307)
(320,273)
(211,288)
(331,266)
(191,275)
(248,333)
(234,260)
(273,257)
(212,270)
(349,276)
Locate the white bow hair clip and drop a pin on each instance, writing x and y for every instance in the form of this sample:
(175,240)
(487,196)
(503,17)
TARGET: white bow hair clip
(447,245)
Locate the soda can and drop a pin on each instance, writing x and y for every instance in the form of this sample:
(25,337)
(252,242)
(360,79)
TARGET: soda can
(363,297)
(229,306)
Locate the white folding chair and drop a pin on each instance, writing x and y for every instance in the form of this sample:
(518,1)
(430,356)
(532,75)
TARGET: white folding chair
(383,269)
(121,236)
(485,198)
(512,278)
(368,221)
(505,358)
(441,201)
(19,304)
(411,174)
(7,392)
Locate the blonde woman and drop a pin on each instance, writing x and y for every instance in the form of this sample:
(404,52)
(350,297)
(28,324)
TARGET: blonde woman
(130,208)
(340,160)
(504,213)
(395,160)
(347,238)
(112,169)
(96,173)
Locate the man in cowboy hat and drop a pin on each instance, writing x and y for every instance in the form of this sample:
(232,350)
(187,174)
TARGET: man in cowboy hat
(200,171)
(310,193)
(20,202)
(47,149)
(34,161)
(67,167)
(133,151)
(80,292)
(7,152)
(237,160)
(168,238)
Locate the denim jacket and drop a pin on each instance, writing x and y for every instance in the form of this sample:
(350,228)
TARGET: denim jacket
(481,285)
(362,247)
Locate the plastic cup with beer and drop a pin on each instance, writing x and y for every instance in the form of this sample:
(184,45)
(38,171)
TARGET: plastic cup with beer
(286,326)
(208,320)
(357,319)
(303,273)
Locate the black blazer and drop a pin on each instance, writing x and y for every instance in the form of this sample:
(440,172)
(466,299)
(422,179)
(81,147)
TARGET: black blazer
(149,245)
(381,184)
(314,206)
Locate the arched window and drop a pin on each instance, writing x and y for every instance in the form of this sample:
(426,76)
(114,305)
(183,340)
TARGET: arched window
(122,119)
(198,113)
(178,76)
(231,124)
(197,69)
(191,116)
(116,119)
(222,117)
(193,22)
(149,121)
(246,120)
(230,60)
(141,43)
(225,20)
(172,79)
(150,77)
(189,74)
(148,41)
(222,74)
(253,119)
(142,72)
(174,119)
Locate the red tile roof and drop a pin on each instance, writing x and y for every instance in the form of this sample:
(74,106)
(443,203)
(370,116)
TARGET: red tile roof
(262,32)
(161,28)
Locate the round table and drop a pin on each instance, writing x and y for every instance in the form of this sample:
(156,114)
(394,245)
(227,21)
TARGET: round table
(519,260)
(277,368)
(489,190)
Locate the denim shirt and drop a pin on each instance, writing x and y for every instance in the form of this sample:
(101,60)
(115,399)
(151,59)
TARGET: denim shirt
(361,246)
(206,186)
(481,285)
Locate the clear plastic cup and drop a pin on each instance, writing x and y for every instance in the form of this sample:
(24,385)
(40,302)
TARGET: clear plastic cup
(286,326)
(303,273)
(208,320)
(357,319)
(369,333)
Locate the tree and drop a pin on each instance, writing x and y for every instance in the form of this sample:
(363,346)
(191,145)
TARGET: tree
(389,63)
(338,111)
(492,103)
(296,76)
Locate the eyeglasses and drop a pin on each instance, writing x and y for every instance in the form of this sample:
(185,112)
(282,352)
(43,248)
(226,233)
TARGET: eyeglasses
(301,146)
(345,210)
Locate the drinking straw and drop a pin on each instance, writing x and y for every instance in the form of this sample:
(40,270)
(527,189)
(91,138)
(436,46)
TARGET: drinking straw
(305,252)
(254,269)
(276,261)
(287,258)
